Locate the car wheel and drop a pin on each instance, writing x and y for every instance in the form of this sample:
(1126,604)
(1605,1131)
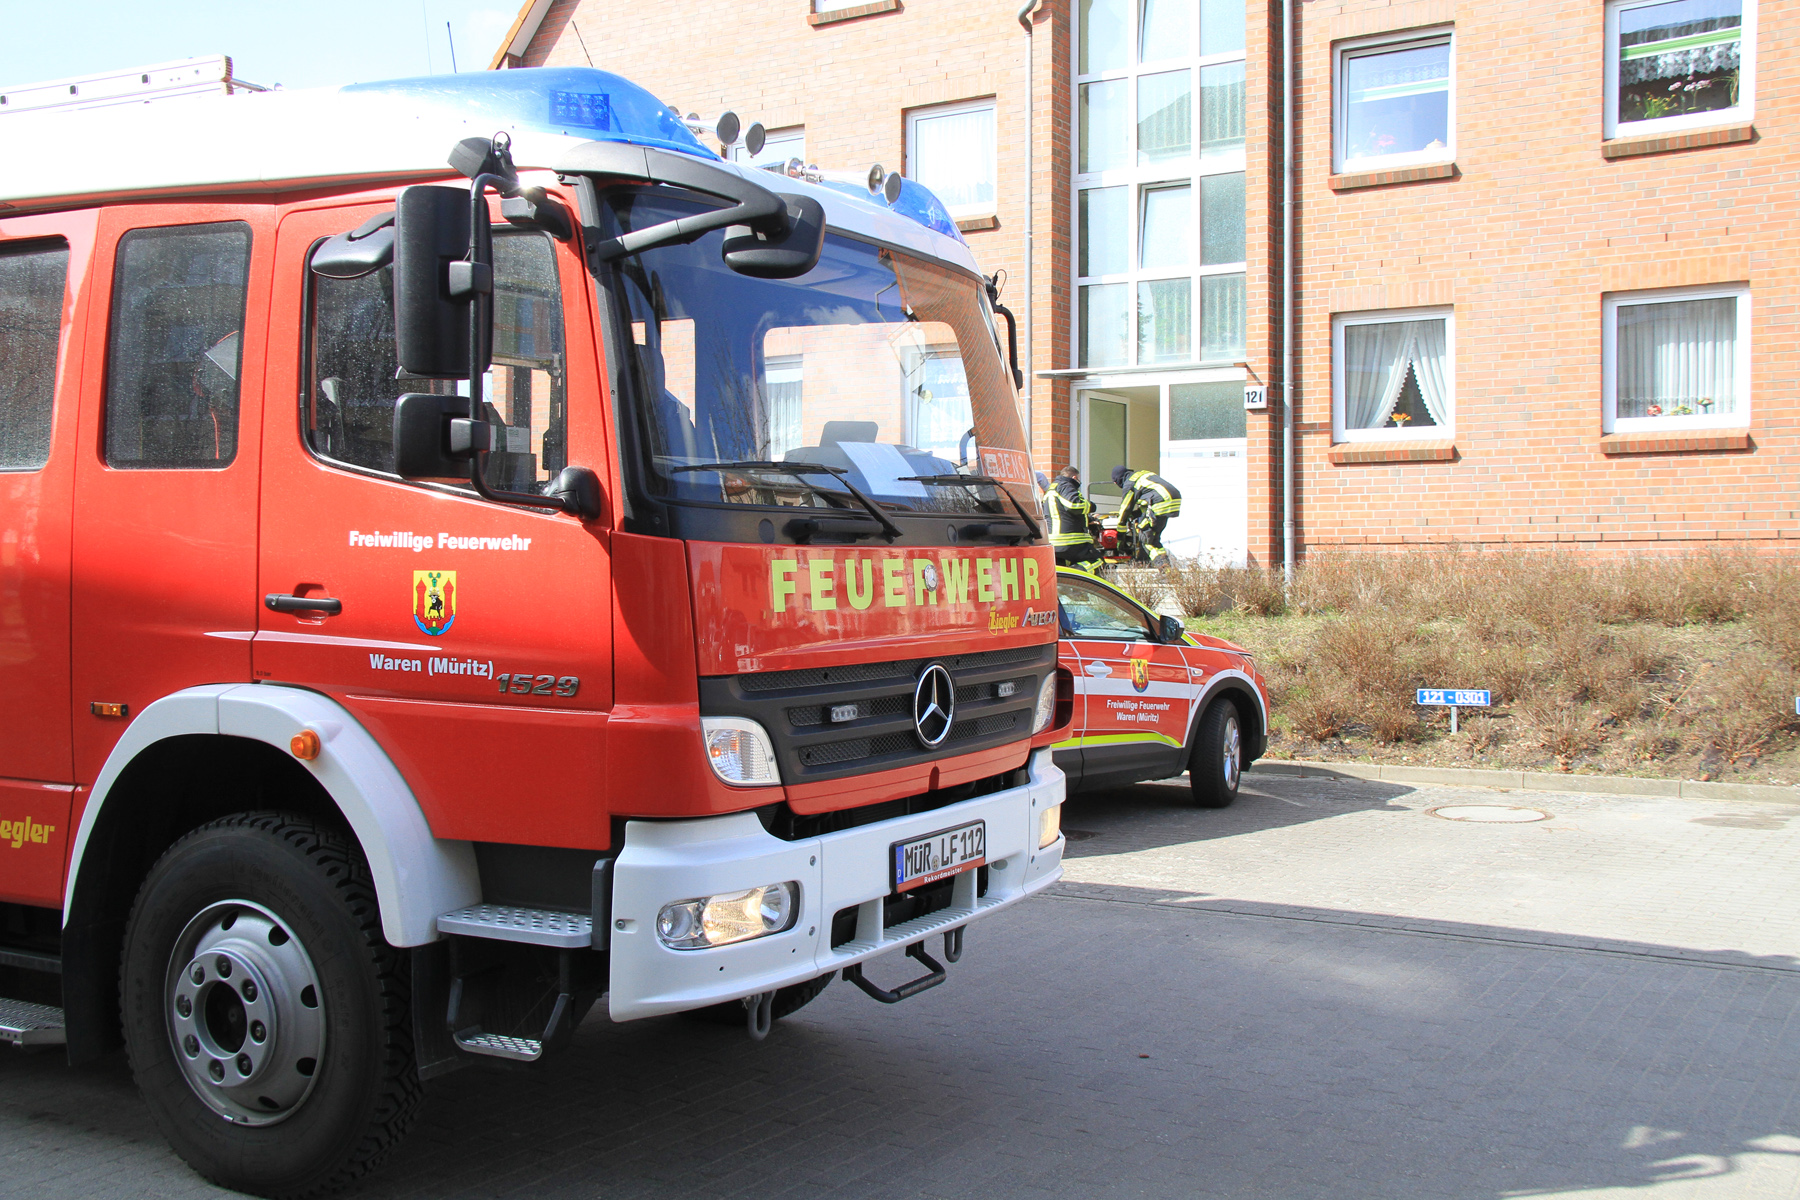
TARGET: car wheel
(1216,763)
(788,1000)
(267,1020)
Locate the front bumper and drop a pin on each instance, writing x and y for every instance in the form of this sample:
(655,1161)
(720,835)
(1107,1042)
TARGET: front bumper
(666,861)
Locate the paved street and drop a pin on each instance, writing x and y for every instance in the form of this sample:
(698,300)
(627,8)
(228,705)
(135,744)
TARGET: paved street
(1321,992)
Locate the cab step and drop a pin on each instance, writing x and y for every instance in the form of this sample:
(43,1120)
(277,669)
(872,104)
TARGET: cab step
(23,1023)
(499,1045)
(506,923)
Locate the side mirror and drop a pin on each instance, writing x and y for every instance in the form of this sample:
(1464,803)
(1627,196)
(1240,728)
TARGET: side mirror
(431,309)
(785,254)
(434,437)
(1173,631)
(361,251)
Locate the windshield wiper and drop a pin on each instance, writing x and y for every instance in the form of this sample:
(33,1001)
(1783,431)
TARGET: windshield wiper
(799,470)
(979,481)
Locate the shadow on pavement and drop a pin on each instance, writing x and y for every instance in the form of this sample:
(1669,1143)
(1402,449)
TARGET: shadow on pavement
(1117,1045)
(1147,815)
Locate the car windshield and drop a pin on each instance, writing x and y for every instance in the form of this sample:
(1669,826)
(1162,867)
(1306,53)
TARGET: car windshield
(881,366)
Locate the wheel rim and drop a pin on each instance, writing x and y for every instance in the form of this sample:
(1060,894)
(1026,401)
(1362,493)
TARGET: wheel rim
(245,1013)
(1233,761)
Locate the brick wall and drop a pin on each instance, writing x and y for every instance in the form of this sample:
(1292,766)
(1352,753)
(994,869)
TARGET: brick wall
(1538,221)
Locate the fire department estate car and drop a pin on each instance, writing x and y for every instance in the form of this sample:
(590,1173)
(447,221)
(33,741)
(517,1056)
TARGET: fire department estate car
(468,552)
(1152,700)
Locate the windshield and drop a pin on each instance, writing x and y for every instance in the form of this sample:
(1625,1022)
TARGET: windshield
(879,365)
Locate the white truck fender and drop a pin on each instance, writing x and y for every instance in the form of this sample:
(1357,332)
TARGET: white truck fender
(417,876)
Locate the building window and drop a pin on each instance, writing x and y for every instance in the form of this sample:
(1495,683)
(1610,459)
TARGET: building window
(1672,64)
(950,149)
(1393,375)
(779,146)
(1676,359)
(1395,102)
(1159,182)
(784,387)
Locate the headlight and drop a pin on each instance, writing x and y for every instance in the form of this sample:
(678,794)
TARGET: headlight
(1049,826)
(739,751)
(1046,705)
(731,917)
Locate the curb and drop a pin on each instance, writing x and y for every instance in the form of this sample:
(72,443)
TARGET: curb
(1534,781)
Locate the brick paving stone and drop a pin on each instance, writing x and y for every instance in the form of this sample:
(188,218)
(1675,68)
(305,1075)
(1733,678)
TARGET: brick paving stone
(1340,997)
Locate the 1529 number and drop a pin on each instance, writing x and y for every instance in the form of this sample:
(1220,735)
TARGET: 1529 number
(540,685)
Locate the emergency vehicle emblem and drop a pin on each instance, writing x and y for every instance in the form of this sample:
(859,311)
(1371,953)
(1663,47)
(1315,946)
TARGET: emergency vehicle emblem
(434,601)
(1140,674)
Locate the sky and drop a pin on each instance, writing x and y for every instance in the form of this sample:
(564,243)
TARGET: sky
(312,43)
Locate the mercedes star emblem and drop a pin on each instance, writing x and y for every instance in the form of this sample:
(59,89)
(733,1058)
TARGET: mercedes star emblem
(934,705)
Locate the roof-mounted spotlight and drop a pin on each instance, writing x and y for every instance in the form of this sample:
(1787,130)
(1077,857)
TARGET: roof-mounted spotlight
(726,127)
(882,184)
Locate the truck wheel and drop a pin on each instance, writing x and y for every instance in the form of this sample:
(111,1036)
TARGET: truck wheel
(1216,763)
(267,1020)
(788,1000)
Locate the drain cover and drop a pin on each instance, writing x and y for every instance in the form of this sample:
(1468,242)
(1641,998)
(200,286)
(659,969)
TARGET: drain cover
(1488,814)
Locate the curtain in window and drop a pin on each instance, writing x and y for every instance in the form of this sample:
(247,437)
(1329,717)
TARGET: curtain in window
(785,392)
(1376,360)
(955,155)
(1678,357)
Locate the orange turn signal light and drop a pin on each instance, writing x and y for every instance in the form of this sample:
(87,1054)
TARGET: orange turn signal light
(101,708)
(305,745)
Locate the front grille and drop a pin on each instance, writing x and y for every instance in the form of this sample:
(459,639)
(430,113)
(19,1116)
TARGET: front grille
(795,706)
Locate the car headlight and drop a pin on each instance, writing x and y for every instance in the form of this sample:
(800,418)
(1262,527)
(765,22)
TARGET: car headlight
(729,917)
(1046,705)
(739,750)
(1049,825)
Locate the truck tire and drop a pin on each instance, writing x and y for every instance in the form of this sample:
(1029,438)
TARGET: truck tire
(1216,762)
(267,1020)
(788,1001)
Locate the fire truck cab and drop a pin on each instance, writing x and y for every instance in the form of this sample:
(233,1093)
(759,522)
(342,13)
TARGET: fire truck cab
(466,553)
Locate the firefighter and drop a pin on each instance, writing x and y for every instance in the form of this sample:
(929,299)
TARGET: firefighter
(1148,503)
(1071,516)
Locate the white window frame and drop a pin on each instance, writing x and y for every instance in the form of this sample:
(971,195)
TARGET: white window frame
(740,153)
(1610,421)
(987,105)
(1743,111)
(1341,162)
(1341,321)
(1139,178)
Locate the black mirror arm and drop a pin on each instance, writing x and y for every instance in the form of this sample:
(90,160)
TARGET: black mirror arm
(751,203)
(1012,345)
(479,280)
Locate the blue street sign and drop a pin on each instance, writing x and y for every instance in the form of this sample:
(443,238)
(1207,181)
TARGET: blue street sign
(1455,697)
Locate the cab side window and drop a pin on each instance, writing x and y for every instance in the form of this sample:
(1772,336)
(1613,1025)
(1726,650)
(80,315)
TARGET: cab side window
(32,282)
(177,343)
(353,374)
(1092,612)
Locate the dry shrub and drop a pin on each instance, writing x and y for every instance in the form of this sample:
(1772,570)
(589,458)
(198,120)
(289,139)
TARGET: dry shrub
(1391,719)
(1200,590)
(1564,729)
(1319,713)
(1690,589)
(1772,609)
(1652,742)
(1735,708)
(1482,733)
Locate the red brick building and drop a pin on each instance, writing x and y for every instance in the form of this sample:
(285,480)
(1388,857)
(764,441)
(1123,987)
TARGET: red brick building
(1541,257)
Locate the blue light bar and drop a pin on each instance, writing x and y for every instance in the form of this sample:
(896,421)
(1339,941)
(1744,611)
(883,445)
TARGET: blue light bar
(578,101)
(917,203)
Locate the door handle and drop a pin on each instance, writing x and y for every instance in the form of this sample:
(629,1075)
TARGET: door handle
(303,604)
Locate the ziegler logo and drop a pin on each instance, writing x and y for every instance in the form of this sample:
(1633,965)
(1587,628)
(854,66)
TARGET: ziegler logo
(434,601)
(16,833)
(1140,674)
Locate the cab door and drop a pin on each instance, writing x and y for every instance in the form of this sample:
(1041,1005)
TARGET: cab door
(43,264)
(1133,694)
(163,594)
(473,639)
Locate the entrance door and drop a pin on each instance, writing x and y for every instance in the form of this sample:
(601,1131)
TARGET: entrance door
(164,555)
(1104,446)
(473,639)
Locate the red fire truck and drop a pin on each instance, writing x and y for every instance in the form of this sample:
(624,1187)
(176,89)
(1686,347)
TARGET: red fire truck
(434,598)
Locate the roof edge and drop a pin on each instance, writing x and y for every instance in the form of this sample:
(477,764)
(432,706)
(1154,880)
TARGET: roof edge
(524,28)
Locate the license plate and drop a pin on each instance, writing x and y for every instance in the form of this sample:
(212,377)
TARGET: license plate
(939,855)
